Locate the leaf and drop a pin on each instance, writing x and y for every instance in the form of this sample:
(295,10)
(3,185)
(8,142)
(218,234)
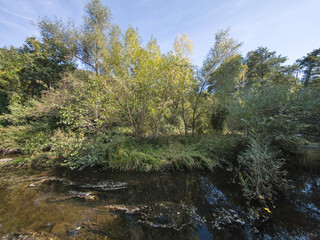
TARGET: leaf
(267,209)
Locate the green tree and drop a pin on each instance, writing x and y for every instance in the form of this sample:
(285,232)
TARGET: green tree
(223,68)
(11,62)
(88,44)
(224,48)
(310,66)
(26,71)
(93,36)
(263,66)
(44,66)
(184,80)
(200,100)
(229,77)
(224,72)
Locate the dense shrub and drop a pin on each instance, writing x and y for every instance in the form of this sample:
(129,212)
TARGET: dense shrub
(218,117)
(260,171)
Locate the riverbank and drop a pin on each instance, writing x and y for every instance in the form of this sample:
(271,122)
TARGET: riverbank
(120,152)
(116,152)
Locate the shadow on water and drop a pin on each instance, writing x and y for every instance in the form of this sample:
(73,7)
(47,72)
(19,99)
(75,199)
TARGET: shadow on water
(170,205)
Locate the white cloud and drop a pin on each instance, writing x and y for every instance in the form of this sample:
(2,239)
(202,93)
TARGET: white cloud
(17,15)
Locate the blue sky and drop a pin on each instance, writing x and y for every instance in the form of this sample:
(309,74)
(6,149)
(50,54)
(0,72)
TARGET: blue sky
(289,27)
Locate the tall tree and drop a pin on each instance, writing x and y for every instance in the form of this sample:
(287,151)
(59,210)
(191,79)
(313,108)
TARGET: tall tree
(93,37)
(88,44)
(310,66)
(200,99)
(183,49)
(229,77)
(44,66)
(224,48)
(26,71)
(222,57)
(262,65)
(11,62)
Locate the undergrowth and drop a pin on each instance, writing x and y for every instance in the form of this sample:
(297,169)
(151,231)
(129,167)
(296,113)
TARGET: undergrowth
(117,151)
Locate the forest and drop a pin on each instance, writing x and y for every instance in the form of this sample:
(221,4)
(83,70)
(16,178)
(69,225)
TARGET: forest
(96,96)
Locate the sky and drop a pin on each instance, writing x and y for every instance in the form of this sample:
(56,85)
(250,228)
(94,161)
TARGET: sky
(289,27)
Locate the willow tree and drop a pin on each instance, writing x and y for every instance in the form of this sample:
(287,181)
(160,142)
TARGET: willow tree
(221,69)
(93,36)
(223,55)
(224,48)
(229,77)
(183,49)
(88,43)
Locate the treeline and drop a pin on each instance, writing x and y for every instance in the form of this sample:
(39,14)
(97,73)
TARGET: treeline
(94,95)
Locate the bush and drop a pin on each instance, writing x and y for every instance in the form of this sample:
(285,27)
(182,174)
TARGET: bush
(268,115)
(75,150)
(269,125)
(26,139)
(218,118)
(260,171)
(222,148)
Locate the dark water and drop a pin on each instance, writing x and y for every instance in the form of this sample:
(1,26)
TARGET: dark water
(180,205)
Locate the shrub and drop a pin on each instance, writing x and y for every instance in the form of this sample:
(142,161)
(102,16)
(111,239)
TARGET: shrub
(74,150)
(260,171)
(218,117)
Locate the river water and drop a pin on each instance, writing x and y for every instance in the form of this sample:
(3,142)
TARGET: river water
(37,204)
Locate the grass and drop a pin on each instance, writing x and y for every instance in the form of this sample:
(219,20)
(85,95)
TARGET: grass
(117,151)
(25,138)
(166,153)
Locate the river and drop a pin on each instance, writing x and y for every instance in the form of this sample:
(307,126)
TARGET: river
(38,204)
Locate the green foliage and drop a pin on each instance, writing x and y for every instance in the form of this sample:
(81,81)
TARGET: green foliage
(157,154)
(44,66)
(26,139)
(11,64)
(307,110)
(89,104)
(222,67)
(310,65)
(270,121)
(222,148)
(218,117)
(73,150)
(4,102)
(228,77)
(131,108)
(269,114)
(27,71)
(120,152)
(260,172)
(265,67)
(224,48)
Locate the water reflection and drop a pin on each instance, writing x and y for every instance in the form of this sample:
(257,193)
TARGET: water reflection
(182,205)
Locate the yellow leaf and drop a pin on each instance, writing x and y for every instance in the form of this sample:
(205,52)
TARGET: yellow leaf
(78,228)
(261,197)
(267,209)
